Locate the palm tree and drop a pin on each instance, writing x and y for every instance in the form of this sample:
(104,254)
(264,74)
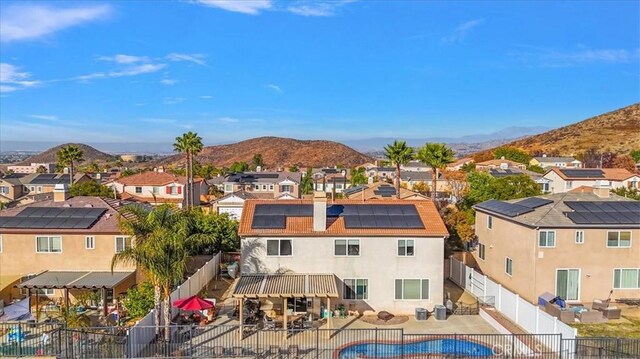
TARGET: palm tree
(189,144)
(67,156)
(437,156)
(398,154)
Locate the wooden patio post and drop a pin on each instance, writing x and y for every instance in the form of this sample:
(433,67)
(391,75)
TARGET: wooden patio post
(284,316)
(66,297)
(104,302)
(29,298)
(329,314)
(240,316)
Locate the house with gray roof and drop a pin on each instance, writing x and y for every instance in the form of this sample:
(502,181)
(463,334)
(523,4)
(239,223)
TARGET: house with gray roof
(545,161)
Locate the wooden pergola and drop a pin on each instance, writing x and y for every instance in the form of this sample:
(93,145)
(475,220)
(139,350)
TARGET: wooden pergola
(284,286)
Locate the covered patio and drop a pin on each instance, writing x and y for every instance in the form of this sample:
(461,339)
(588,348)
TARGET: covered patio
(284,288)
(66,280)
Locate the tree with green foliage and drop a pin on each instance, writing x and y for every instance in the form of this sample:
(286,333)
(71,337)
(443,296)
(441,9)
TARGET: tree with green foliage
(635,154)
(90,188)
(536,169)
(420,187)
(189,144)
(217,233)
(632,193)
(484,187)
(129,172)
(257,161)
(398,154)
(68,156)
(92,167)
(468,167)
(358,176)
(306,185)
(239,167)
(437,156)
(460,225)
(513,154)
(294,168)
(41,169)
(139,300)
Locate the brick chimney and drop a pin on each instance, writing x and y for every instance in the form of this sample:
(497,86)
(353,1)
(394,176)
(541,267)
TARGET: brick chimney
(319,211)
(602,189)
(60,192)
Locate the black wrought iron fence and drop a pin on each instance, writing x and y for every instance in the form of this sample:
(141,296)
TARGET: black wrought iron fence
(603,347)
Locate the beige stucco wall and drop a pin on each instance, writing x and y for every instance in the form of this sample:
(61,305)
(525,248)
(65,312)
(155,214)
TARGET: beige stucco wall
(15,191)
(534,268)
(19,257)
(378,262)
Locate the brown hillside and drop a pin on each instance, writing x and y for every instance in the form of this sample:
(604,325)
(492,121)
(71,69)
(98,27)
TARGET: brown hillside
(277,151)
(51,155)
(616,131)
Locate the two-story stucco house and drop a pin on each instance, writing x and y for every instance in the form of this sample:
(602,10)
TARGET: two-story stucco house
(562,162)
(380,255)
(272,184)
(157,187)
(564,180)
(579,246)
(60,247)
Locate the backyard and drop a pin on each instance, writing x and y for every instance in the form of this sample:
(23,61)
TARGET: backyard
(628,326)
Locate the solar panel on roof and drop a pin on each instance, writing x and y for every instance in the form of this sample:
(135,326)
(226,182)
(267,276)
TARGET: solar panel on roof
(578,173)
(53,217)
(383,221)
(352,222)
(504,208)
(534,202)
(364,209)
(413,222)
(268,222)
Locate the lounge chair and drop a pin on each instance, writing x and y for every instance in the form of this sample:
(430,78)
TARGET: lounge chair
(565,316)
(591,316)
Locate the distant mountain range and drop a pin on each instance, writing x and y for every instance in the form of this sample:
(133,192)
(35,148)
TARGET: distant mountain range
(51,155)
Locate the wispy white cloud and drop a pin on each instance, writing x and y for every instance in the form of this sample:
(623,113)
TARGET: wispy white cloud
(30,21)
(250,7)
(169,82)
(173,100)
(195,58)
(124,59)
(275,88)
(549,57)
(137,70)
(316,8)
(228,120)
(206,97)
(13,79)
(44,117)
(460,32)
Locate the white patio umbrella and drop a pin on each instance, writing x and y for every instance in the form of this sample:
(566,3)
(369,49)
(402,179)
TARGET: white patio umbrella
(267,305)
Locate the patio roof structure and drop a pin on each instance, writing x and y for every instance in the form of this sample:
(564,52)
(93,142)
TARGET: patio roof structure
(285,286)
(77,280)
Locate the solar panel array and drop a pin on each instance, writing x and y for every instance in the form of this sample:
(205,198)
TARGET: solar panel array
(53,218)
(50,178)
(274,216)
(587,173)
(604,212)
(504,208)
(534,202)
(385,191)
(351,190)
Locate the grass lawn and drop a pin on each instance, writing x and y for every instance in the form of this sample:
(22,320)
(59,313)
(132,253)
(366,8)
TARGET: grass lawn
(629,328)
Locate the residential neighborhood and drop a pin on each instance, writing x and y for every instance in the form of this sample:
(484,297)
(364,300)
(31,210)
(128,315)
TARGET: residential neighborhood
(296,179)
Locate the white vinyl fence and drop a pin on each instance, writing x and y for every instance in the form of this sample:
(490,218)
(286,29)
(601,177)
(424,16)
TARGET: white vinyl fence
(520,311)
(140,337)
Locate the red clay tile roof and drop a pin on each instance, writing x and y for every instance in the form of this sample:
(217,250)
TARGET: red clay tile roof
(303,226)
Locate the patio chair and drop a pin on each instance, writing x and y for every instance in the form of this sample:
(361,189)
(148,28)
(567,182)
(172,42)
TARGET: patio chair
(268,323)
(238,351)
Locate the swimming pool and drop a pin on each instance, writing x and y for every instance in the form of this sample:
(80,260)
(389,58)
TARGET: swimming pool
(434,346)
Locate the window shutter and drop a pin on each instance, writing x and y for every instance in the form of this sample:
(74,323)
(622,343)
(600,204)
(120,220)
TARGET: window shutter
(179,190)
(168,190)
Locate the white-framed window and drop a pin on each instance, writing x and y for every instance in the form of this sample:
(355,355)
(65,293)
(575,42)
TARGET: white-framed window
(271,187)
(481,251)
(264,187)
(174,190)
(89,242)
(45,291)
(122,243)
(286,188)
(579,237)
(138,189)
(346,247)
(279,247)
(48,244)
(626,278)
(4,189)
(412,289)
(547,239)
(508,266)
(39,189)
(155,190)
(356,289)
(32,188)
(406,247)
(228,188)
(621,239)
(489,222)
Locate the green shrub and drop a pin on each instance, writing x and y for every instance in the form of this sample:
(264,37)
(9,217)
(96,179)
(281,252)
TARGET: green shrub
(139,301)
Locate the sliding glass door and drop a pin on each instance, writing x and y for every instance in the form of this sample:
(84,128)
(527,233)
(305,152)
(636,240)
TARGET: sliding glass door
(568,283)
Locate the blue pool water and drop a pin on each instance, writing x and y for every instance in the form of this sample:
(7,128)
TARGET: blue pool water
(437,346)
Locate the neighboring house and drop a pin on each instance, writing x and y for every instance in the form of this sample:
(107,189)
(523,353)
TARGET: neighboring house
(416,166)
(157,187)
(217,182)
(33,168)
(381,172)
(271,183)
(331,182)
(36,183)
(65,243)
(378,255)
(499,163)
(381,190)
(457,164)
(562,162)
(11,188)
(544,183)
(578,246)
(410,179)
(564,180)
(233,203)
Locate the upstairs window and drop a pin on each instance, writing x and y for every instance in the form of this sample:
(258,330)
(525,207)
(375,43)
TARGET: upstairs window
(579,237)
(344,247)
(48,244)
(138,189)
(489,222)
(508,266)
(481,251)
(89,242)
(406,247)
(279,247)
(620,239)
(547,239)
(122,243)
(286,188)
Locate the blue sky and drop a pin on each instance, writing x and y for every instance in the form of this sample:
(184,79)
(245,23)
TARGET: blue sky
(143,71)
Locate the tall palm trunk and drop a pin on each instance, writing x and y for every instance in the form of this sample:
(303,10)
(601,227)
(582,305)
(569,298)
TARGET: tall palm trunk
(186,187)
(167,312)
(191,196)
(157,300)
(434,183)
(398,180)
(71,174)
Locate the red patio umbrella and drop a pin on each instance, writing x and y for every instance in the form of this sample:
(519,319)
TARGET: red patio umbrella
(193,303)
